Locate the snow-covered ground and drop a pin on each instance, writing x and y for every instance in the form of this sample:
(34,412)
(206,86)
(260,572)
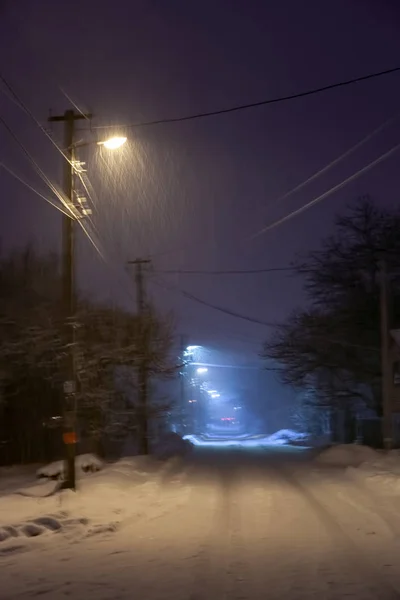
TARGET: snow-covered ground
(376,469)
(232,523)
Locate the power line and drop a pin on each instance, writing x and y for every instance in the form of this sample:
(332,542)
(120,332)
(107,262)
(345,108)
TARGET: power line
(30,187)
(37,168)
(86,183)
(258,321)
(222,272)
(335,161)
(328,192)
(23,106)
(75,105)
(219,332)
(254,104)
(52,187)
(26,110)
(226,311)
(19,102)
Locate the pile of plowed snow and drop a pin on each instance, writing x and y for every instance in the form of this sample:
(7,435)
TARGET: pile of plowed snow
(382,472)
(377,469)
(286,436)
(121,492)
(347,455)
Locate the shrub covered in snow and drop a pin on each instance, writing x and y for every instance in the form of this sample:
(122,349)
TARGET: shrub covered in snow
(171,444)
(87,463)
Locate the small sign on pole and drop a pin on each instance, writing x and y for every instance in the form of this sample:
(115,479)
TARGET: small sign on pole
(69,387)
(69,437)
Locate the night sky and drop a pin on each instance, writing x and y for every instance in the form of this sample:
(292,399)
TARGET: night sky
(191,194)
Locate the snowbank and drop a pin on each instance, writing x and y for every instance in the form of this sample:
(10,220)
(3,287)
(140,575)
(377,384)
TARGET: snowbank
(376,469)
(84,462)
(346,455)
(106,500)
(171,445)
(382,472)
(286,436)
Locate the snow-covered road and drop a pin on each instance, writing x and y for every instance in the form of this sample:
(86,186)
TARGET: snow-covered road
(231,524)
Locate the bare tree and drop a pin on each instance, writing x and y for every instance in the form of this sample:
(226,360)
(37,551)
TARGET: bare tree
(334,345)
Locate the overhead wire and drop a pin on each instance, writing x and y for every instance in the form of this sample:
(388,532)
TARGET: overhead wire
(19,102)
(334,162)
(221,309)
(238,315)
(222,271)
(265,102)
(211,113)
(26,109)
(30,187)
(52,187)
(333,189)
(75,105)
(37,168)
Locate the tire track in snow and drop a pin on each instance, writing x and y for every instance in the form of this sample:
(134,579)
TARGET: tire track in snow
(269,549)
(219,571)
(383,504)
(250,505)
(210,568)
(225,570)
(354,562)
(367,519)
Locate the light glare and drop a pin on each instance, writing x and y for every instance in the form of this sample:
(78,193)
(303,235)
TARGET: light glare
(114,143)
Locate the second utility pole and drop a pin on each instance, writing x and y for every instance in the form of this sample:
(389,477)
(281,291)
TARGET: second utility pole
(142,372)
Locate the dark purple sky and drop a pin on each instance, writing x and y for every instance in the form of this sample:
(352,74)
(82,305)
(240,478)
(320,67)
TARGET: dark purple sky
(192,193)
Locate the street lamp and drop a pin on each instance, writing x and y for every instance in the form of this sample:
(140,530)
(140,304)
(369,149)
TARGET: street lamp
(71,167)
(201,370)
(113,143)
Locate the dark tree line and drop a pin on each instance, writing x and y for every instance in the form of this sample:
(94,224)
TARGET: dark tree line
(331,349)
(109,346)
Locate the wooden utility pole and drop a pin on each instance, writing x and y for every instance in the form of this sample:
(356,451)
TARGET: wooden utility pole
(68,295)
(143,358)
(386,362)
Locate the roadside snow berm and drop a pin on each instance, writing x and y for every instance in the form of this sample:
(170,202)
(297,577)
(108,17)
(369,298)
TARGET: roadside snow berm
(346,455)
(287,436)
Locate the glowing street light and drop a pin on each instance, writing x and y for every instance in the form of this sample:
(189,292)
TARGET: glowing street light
(201,370)
(113,143)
